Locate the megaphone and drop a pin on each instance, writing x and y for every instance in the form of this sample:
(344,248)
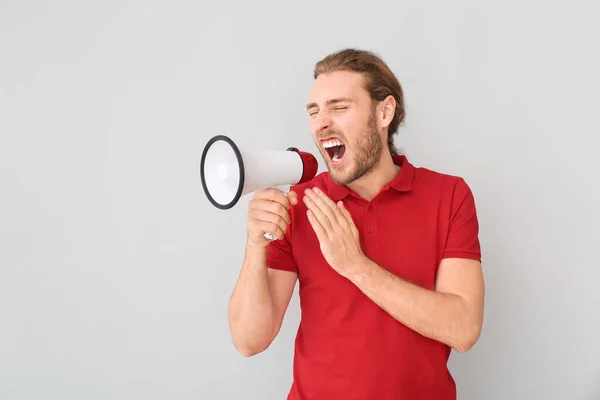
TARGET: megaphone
(228,173)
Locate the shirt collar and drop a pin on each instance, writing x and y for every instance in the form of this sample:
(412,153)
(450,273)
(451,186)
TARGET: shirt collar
(401,182)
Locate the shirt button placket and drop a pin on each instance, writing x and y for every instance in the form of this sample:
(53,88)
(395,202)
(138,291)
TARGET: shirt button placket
(372,231)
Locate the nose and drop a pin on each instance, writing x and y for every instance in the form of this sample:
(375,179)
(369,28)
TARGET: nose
(322,122)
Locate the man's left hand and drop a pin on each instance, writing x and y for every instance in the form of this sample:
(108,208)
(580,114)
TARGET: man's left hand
(335,229)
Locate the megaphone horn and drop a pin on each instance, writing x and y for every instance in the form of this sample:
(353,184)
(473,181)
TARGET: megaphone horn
(228,173)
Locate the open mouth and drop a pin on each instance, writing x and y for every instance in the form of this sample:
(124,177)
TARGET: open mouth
(335,149)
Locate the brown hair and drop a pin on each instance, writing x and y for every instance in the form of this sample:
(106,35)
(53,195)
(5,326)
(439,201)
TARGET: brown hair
(380,81)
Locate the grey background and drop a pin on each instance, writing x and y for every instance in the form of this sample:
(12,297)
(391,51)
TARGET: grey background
(115,271)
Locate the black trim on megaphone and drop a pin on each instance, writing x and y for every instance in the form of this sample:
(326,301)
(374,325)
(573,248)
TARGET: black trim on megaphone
(240,163)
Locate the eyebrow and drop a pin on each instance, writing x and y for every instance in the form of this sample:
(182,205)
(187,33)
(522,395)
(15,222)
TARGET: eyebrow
(330,102)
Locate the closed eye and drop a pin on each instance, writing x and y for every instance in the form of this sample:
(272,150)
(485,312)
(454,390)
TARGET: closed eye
(314,112)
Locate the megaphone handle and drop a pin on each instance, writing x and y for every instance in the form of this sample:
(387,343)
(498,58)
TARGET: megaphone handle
(270,237)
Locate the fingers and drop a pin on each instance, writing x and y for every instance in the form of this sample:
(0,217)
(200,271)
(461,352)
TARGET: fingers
(269,217)
(323,209)
(272,207)
(344,220)
(268,213)
(273,194)
(349,222)
(273,201)
(275,229)
(326,200)
(259,224)
(258,228)
(317,217)
(292,197)
(316,225)
(343,210)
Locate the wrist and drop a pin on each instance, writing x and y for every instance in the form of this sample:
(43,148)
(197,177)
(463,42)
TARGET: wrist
(257,250)
(359,268)
(256,255)
(256,243)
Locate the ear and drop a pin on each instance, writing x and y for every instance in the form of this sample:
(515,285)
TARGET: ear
(388,109)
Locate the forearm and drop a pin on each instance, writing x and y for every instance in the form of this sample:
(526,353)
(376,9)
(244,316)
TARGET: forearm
(443,317)
(251,311)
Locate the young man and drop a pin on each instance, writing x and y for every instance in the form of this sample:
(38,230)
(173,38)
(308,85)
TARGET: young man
(387,255)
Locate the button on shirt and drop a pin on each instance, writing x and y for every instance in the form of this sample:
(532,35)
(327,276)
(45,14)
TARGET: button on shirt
(347,347)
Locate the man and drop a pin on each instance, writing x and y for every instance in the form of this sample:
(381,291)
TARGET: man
(387,255)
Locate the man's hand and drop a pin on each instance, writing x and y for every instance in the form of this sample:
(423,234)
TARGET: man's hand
(335,229)
(268,212)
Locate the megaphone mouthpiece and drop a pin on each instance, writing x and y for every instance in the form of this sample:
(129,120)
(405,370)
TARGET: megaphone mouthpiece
(309,165)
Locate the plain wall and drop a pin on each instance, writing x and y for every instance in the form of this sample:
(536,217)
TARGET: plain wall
(115,270)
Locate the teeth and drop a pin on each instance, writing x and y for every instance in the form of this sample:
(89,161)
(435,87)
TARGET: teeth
(332,143)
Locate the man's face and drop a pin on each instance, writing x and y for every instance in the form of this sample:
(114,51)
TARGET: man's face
(344,126)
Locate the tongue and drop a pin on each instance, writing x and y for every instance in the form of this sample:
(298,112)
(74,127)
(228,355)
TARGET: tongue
(338,152)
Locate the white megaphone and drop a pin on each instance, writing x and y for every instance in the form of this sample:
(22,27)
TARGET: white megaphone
(228,173)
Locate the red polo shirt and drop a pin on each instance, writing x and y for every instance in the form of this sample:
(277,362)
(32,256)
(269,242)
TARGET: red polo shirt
(347,347)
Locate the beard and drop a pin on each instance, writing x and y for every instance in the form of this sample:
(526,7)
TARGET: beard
(366,153)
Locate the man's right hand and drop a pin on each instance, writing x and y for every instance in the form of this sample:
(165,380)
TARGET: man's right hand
(268,212)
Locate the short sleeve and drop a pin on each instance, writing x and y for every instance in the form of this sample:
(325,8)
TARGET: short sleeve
(463,230)
(280,255)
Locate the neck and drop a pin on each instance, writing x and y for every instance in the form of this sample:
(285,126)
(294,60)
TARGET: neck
(369,185)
